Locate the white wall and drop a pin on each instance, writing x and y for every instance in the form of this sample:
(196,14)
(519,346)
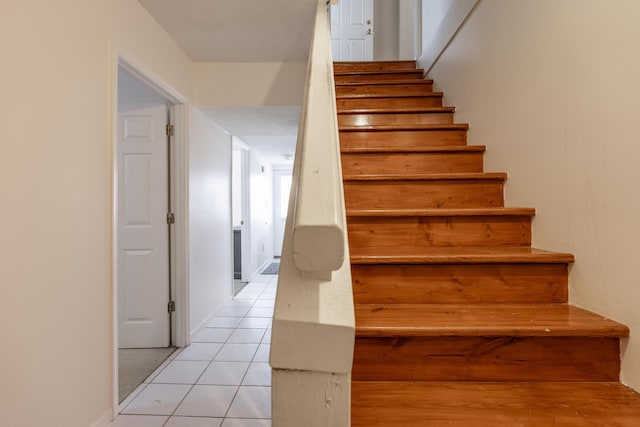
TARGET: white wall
(261,212)
(385,36)
(552,88)
(408,27)
(249,84)
(57,83)
(211,263)
(433,13)
(440,21)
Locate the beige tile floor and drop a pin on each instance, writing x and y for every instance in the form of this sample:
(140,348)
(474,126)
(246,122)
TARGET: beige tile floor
(222,379)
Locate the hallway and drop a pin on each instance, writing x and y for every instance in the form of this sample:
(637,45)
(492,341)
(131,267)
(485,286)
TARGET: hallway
(223,379)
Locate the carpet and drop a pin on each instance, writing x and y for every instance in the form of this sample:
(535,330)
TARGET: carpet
(136,364)
(273,268)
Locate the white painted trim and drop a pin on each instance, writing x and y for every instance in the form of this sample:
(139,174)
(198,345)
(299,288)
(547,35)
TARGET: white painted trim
(180,230)
(180,186)
(104,420)
(259,269)
(454,19)
(206,319)
(237,143)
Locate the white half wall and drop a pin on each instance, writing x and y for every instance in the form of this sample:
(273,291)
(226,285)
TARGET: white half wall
(56,175)
(551,87)
(211,262)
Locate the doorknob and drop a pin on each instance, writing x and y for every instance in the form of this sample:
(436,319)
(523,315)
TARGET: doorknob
(369,32)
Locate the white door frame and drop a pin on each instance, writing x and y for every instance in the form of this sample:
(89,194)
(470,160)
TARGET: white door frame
(178,187)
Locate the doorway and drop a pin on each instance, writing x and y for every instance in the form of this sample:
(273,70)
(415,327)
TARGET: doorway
(240,213)
(145,266)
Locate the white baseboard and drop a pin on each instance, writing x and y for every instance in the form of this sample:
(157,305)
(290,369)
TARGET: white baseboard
(105,419)
(206,319)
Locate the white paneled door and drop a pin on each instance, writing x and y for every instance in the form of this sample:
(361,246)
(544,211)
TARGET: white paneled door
(352,30)
(143,233)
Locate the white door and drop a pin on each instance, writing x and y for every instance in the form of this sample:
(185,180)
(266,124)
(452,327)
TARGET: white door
(352,30)
(143,233)
(281,190)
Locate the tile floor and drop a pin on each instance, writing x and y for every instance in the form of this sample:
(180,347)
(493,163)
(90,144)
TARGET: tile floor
(222,379)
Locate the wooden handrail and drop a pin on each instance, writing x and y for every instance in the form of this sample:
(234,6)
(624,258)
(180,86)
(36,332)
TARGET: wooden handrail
(313,331)
(318,220)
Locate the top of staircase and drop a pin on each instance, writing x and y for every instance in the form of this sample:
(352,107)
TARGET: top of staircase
(374,65)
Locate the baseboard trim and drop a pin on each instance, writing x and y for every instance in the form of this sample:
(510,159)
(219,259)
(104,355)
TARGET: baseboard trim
(105,419)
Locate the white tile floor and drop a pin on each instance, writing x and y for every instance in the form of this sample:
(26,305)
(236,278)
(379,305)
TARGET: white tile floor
(223,379)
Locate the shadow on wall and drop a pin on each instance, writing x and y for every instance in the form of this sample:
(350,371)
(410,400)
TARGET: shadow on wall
(289,79)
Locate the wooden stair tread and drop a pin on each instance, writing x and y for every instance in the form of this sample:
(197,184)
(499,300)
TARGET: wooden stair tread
(457,255)
(390,61)
(405,127)
(441,212)
(403,110)
(492,176)
(512,320)
(377,96)
(403,150)
(387,82)
(374,72)
(491,404)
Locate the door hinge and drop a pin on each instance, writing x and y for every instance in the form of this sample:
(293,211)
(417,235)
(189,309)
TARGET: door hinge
(169,130)
(171,306)
(171,218)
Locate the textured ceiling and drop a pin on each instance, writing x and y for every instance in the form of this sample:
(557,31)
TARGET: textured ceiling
(237,30)
(272,131)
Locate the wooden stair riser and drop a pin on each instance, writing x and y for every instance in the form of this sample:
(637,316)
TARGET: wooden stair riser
(374,66)
(411,163)
(403,139)
(376,77)
(460,284)
(431,100)
(486,359)
(492,404)
(419,87)
(391,119)
(419,231)
(423,194)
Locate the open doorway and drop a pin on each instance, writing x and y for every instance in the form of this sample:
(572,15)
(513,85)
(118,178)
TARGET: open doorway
(145,265)
(240,213)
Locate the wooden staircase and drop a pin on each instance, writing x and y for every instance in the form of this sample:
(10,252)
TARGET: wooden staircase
(458,320)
